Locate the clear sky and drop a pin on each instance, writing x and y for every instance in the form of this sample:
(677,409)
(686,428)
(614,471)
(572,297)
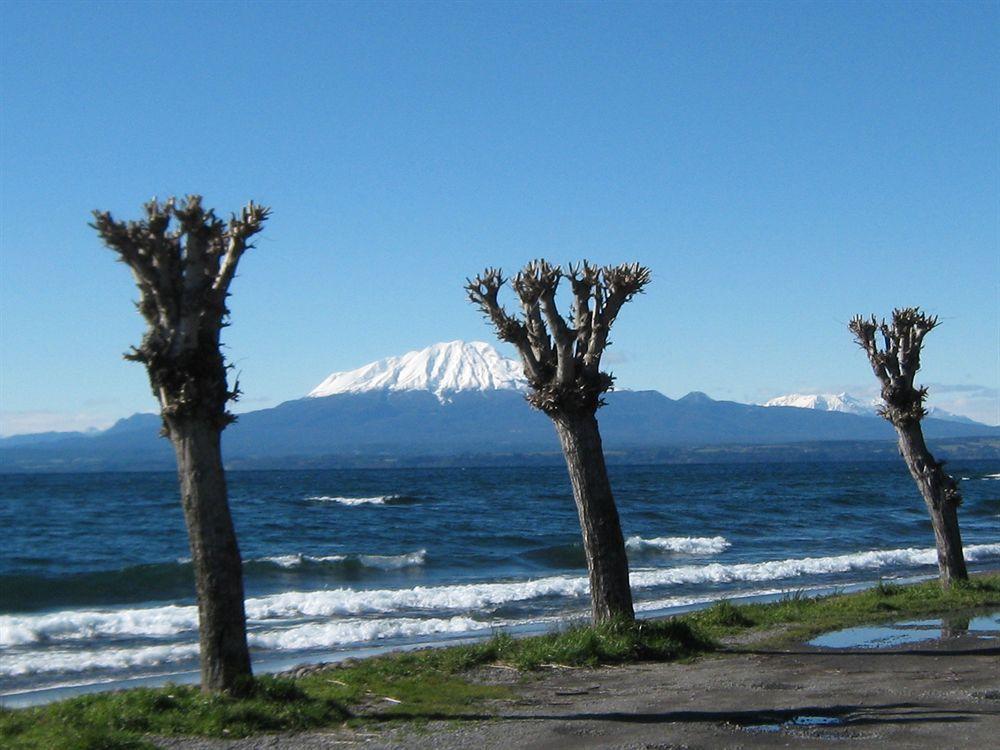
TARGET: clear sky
(779,165)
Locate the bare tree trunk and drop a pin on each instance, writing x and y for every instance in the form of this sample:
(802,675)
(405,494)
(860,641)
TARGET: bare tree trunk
(937,489)
(225,658)
(603,542)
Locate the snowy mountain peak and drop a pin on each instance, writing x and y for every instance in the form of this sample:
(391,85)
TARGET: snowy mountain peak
(441,369)
(842,402)
(852,405)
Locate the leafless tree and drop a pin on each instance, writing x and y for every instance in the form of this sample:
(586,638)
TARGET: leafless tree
(183,259)
(562,362)
(895,362)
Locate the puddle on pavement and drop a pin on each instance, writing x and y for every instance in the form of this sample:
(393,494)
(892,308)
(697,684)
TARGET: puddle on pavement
(910,631)
(796,722)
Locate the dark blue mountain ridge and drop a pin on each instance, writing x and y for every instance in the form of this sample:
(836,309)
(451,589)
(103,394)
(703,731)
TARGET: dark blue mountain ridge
(414,423)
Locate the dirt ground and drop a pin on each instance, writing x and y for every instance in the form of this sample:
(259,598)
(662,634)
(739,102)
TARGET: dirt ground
(936,694)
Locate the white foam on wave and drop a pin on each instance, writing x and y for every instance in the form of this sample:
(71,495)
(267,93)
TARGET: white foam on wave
(394,562)
(382,562)
(773,570)
(328,634)
(688,545)
(468,596)
(298,560)
(673,602)
(65,660)
(991,476)
(377,500)
(477,596)
(296,638)
(171,620)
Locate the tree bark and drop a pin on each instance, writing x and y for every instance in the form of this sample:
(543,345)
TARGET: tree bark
(218,568)
(603,543)
(938,490)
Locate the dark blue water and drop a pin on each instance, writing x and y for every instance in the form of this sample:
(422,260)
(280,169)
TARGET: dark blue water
(95,583)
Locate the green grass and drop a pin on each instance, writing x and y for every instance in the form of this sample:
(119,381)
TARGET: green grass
(438,684)
(801,617)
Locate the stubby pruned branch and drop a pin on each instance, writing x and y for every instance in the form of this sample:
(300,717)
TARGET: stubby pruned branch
(561,359)
(240,230)
(183,259)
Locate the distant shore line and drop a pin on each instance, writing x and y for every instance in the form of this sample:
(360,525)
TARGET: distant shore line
(985,448)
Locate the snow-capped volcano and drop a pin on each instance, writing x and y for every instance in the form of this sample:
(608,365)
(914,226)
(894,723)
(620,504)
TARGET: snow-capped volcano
(826,402)
(441,369)
(848,404)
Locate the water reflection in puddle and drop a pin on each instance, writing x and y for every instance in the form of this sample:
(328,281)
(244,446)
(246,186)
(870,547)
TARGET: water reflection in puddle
(985,623)
(910,631)
(796,722)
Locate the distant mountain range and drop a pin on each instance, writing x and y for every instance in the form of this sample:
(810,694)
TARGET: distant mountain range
(463,403)
(844,402)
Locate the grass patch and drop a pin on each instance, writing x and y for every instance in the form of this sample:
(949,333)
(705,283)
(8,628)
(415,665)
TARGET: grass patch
(119,720)
(436,683)
(802,617)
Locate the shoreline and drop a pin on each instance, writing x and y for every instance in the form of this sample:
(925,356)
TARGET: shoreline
(725,676)
(282,666)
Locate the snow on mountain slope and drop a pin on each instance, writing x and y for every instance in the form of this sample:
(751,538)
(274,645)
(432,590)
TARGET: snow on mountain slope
(851,405)
(826,402)
(441,369)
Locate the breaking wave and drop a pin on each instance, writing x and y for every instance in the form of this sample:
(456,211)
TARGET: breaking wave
(172,620)
(327,634)
(687,545)
(376,500)
(55,660)
(175,580)
(298,637)
(774,570)
(381,562)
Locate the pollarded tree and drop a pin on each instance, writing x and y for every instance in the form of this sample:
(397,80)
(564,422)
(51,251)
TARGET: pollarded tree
(895,362)
(562,362)
(183,259)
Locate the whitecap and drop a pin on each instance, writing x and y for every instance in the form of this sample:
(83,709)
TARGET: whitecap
(171,620)
(793,568)
(469,596)
(298,637)
(65,660)
(394,562)
(297,560)
(328,634)
(382,562)
(377,500)
(162,621)
(688,545)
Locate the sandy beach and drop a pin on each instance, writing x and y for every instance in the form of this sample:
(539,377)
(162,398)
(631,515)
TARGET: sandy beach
(938,693)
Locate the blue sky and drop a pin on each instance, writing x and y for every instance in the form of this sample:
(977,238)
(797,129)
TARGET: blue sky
(779,166)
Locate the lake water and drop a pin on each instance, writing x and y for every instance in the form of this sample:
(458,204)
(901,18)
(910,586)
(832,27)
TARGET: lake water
(95,585)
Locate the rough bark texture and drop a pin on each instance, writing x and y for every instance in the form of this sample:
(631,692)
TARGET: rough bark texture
(562,362)
(225,660)
(940,493)
(183,259)
(895,363)
(607,565)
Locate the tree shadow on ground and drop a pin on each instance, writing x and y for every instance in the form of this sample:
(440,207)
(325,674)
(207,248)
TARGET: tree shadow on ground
(867,652)
(841,716)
